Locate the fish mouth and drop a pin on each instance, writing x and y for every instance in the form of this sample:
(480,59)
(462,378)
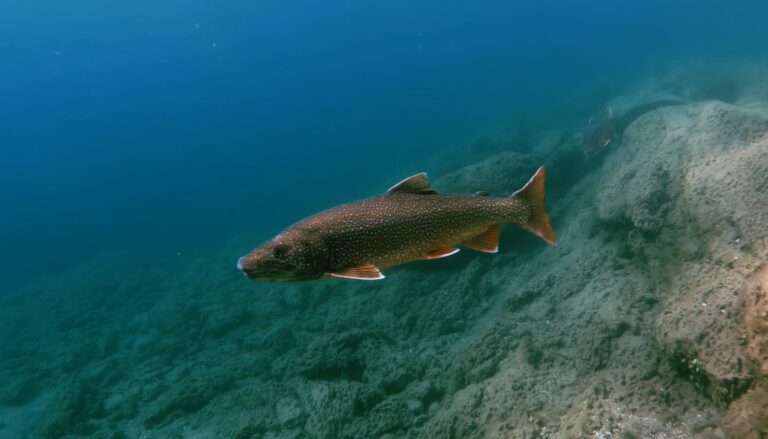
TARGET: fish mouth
(247,272)
(271,274)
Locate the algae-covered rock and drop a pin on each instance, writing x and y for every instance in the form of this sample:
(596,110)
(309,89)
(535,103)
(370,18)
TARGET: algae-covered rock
(748,415)
(334,357)
(656,321)
(754,296)
(74,410)
(688,178)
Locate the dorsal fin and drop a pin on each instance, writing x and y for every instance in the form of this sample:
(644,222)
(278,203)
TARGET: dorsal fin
(481,194)
(415,184)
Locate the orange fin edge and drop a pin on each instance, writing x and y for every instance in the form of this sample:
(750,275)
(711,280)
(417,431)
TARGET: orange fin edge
(533,195)
(442,252)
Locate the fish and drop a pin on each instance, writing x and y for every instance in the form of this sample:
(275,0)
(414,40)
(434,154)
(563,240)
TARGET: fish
(599,133)
(409,222)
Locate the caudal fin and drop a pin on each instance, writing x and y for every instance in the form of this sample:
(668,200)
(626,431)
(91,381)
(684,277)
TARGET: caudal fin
(532,194)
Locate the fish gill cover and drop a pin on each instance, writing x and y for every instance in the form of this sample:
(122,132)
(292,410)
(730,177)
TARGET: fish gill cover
(145,146)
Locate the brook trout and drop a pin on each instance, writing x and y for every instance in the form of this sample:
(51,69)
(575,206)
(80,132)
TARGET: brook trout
(409,222)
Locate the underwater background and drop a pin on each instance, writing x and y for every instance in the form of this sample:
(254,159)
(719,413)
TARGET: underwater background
(147,145)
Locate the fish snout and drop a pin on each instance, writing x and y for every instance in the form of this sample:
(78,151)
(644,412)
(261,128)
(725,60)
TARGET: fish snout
(241,266)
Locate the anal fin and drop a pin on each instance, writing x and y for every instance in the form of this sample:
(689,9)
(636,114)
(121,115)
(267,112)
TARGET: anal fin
(441,253)
(361,272)
(487,242)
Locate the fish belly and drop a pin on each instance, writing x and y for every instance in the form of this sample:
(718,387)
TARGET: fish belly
(418,248)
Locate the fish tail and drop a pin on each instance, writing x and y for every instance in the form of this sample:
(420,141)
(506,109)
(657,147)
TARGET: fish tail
(532,195)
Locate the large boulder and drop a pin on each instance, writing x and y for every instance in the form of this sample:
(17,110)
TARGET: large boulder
(690,188)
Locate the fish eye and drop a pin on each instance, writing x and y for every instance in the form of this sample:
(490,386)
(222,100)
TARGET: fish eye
(280,251)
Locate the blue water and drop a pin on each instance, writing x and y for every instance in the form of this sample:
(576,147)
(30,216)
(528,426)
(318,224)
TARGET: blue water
(168,126)
(145,146)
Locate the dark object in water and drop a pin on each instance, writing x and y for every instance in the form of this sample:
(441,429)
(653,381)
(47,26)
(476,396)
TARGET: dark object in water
(409,222)
(599,133)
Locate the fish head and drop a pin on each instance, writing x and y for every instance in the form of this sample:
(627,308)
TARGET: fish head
(282,259)
(598,133)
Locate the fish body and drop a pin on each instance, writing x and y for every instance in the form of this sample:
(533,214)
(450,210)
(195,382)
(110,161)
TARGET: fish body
(599,133)
(409,222)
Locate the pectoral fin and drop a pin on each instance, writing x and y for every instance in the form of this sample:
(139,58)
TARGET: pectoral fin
(441,253)
(361,272)
(487,242)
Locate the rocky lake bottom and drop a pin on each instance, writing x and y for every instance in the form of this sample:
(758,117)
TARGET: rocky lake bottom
(648,319)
